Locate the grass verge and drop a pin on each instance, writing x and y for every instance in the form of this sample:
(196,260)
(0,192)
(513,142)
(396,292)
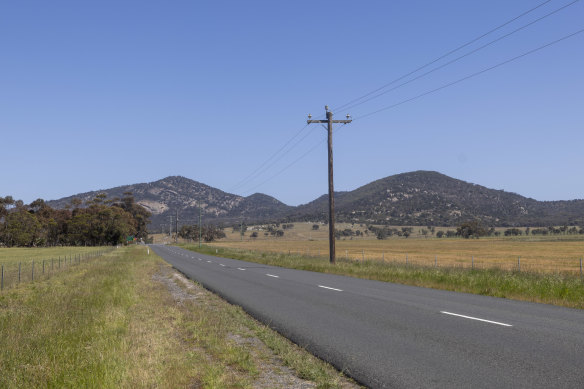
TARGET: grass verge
(122,321)
(558,288)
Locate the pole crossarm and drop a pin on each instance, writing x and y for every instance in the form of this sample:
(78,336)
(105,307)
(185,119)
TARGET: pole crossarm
(332,121)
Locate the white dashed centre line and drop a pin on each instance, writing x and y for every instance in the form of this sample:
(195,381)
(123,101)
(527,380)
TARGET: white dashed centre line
(240,268)
(208,261)
(271,275)
(328,287)
(476,318)
(222,265)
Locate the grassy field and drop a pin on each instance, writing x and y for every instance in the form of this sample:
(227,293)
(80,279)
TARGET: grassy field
(532,253)
(22,265)
(127,319)
(550,288)
(25,254)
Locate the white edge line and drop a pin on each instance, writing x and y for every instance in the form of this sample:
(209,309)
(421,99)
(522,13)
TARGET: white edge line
(240,268)
(221,265)
(328,287)
(476,318)
(271,275)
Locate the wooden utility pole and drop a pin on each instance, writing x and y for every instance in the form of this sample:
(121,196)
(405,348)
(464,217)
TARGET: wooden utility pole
(329,120)
(176,238)
(200,231)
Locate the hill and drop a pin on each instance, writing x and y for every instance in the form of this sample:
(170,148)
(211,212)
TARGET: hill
(415,198)
(432,198)
(164,198)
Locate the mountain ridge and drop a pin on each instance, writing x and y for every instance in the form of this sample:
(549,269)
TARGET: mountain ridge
(412,198)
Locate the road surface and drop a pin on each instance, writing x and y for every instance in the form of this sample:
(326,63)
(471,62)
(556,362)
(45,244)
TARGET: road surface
(396,336)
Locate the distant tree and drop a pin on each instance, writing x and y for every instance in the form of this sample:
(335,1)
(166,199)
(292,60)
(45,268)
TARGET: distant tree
(315,227)
(450,234)
(254,234)
(21,228)
(513,232)
(473,229)
(381,234)
(440,234)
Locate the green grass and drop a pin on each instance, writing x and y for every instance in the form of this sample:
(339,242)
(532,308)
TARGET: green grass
(23,265)
(111,322)
(25,254)
(551,288)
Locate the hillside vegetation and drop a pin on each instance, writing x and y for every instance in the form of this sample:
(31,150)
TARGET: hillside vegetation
(419,198)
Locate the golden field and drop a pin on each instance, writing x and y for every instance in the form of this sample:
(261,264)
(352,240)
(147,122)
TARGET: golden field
(542,254)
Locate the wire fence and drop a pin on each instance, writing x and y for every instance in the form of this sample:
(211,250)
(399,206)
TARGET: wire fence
(13,273)
(572,267)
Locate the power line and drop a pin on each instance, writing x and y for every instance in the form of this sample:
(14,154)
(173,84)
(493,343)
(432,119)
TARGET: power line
(268,160)
(462,56)
(471,75)
(286,167)
(266,168)
(441,57)
(291,163)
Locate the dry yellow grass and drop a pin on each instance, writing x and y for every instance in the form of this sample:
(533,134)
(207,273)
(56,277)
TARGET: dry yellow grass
(553,254)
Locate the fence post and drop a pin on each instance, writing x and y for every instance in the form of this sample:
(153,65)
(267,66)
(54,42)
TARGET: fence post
(32,275)
(2,282)
(435,261)
(580,268)
(383,256)
(347,255)
(363,256)
(519,263)
(43,267)
(472,263)
(406,259)
(19,272)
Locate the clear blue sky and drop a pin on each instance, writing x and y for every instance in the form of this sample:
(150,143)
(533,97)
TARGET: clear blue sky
(101,94)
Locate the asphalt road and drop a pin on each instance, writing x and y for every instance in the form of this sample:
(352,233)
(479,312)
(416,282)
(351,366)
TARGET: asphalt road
(395,336)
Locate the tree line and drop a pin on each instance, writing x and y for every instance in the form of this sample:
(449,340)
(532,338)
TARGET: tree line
(97,222)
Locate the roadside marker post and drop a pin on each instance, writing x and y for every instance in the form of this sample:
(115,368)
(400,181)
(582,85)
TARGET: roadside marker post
(518,263)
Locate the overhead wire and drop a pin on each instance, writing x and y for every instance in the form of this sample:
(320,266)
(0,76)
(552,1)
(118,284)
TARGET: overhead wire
(420,96)
(343,106)
(266,168)
(470,75)
(240,183)
(291,163)
(275,157)
(462,56)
